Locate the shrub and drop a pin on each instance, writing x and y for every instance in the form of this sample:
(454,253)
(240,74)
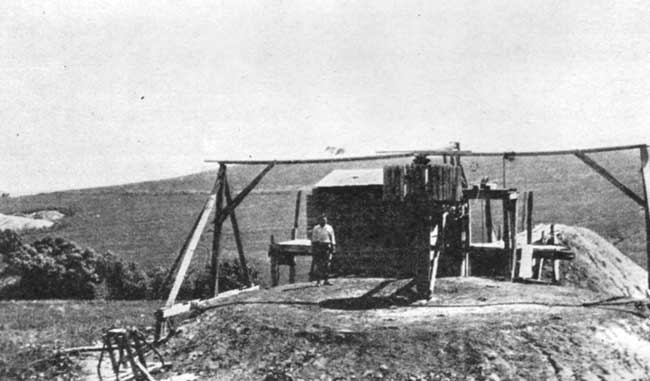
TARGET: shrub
(50,268)
(124,280)
(60,269)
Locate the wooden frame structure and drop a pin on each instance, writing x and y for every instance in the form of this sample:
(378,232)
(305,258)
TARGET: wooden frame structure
(221,193)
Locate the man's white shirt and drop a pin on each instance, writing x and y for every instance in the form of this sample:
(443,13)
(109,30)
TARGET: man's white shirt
(323,234)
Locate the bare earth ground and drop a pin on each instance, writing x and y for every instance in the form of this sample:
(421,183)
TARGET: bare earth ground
(359,328)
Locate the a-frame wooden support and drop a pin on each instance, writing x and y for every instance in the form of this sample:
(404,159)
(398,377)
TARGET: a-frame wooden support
(220,193)
(220,216)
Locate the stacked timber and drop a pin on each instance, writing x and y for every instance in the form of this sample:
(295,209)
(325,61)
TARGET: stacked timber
(440,182)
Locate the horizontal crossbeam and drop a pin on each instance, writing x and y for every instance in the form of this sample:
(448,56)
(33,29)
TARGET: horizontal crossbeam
(383,155)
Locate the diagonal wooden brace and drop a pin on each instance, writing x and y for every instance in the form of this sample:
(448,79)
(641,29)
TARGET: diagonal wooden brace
(235,229)
(609,177)
(240,197)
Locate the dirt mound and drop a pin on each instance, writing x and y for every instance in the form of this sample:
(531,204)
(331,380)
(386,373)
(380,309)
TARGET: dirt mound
(599,266)
(472,329)
(18,223)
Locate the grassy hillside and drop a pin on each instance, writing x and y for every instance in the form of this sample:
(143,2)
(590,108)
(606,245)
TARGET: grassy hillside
(147,222)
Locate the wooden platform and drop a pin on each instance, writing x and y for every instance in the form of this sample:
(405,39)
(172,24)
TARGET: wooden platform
(540,253)
(284,253)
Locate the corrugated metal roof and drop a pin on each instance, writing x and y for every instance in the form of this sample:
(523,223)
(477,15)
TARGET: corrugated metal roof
(352,178)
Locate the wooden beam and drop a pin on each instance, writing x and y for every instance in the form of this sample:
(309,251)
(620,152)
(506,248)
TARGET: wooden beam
(645,179)
(193,241)
(467,228)
(529,218)
(609,177)
(384,155)
(494,194)
(216,235)
(504,170)
(488,220)
(524,208)
(235,229)
(177,261)
(296,217)
(240,197)
(437,245)
(513,153)
(198,304)
(506,235)
(513,238)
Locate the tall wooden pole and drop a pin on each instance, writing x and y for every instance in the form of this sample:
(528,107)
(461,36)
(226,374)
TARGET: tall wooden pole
(529,218)
(645,177)
(216,238)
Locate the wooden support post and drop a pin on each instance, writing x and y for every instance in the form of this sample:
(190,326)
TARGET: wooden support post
(513,238)
(609,177)
(540,268)
(504,171)
(235,230)
(529,218)
(216,238)
(296,217)
(275,266)
(645,179)
(556,271)
(275,271)
(437,245)
(488,220)
(467,229)
(524,208)
(292,271)
(506,235)
(194,238)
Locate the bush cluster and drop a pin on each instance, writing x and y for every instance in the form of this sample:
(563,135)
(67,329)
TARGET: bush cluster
(56,268)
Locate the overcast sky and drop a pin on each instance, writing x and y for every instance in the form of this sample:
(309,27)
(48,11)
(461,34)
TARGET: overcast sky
(105,92)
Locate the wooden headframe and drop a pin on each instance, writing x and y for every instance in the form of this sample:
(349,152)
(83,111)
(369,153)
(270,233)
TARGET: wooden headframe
(221,190)
(457,154)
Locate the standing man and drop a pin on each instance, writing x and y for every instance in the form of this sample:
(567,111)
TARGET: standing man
(323,245)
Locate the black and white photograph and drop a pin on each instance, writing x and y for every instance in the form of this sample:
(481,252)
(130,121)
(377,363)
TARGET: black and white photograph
(327,190)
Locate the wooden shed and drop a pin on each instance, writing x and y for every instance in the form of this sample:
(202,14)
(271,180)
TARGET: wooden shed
(377,232)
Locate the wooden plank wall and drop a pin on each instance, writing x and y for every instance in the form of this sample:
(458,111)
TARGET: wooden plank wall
(372,235)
